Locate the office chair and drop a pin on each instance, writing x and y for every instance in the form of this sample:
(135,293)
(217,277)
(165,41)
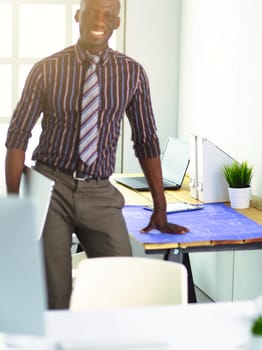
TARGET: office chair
(76,259)
(115,282)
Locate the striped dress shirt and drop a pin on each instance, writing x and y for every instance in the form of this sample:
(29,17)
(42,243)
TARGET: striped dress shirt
(53,91)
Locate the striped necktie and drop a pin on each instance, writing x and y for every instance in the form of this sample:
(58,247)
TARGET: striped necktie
(89,114)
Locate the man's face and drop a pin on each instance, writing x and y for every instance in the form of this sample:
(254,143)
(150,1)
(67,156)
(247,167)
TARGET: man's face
(97,21)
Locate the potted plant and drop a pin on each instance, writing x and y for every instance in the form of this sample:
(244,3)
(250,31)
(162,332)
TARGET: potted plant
(238,176)
(256,334)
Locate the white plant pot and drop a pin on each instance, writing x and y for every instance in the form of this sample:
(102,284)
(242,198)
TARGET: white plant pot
(239,197)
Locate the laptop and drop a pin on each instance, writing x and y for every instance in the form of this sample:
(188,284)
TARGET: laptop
(174,162)
(22,292)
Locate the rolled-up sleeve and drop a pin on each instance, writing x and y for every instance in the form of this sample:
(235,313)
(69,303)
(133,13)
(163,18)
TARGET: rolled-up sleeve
(142,120)
(27,111)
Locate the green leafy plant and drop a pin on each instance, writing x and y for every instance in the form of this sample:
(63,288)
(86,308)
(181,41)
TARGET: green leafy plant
(257,326)
(238,175)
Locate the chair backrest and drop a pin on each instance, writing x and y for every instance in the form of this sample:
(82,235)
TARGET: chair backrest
(115,282)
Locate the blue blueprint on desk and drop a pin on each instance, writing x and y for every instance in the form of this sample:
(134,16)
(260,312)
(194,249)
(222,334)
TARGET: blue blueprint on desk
(215,222)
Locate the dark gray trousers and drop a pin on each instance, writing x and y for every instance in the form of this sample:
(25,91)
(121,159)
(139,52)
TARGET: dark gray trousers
(91,210)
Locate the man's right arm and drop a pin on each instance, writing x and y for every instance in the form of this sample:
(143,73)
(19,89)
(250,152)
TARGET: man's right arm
(14,165)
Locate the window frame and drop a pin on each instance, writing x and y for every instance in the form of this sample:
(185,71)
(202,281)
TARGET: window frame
(15,60)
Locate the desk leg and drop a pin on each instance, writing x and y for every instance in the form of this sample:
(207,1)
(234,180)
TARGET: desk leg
(178,256)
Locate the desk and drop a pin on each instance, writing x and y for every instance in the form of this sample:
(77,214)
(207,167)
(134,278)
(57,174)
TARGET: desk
(222,326)
(179,248)
(216,326)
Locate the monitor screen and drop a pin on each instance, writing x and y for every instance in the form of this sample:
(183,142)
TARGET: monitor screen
(22,292)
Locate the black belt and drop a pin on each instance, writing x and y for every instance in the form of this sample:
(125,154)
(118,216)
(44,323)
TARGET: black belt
(83,177)
(76,175)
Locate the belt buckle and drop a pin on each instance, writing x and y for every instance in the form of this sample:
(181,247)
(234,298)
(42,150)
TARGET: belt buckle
(85,178)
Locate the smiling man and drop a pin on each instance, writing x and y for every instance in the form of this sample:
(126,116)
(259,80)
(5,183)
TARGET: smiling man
(82,94)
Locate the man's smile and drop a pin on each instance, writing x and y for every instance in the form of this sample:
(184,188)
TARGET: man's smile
(97,33)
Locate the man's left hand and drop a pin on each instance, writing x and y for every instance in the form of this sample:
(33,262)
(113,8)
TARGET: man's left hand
(159,222)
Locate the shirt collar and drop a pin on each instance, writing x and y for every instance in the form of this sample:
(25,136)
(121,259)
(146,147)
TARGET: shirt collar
(82,55)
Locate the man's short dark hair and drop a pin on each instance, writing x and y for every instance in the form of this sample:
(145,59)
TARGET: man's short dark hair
(117,3)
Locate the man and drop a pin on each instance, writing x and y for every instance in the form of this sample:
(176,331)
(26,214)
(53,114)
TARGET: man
(83,199)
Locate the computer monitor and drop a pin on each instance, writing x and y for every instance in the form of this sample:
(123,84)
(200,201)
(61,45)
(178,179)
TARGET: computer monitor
(22,291)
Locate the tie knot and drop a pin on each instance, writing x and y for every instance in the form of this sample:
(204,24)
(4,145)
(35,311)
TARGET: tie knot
(93,59)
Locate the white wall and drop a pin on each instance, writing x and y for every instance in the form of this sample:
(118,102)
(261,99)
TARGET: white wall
(152,38)
(221,77)
(220,98)
(251,85)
